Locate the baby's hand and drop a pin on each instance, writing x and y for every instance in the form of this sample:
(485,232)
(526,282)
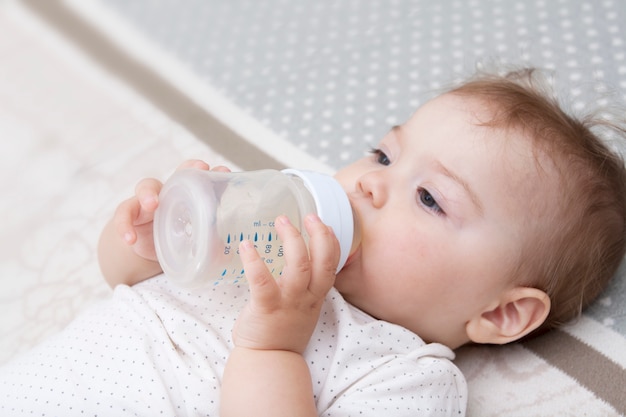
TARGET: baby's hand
(283,313)
(126,252)
(134,217)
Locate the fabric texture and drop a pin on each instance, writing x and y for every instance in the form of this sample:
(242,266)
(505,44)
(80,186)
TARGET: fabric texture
(90,101)
(155,348)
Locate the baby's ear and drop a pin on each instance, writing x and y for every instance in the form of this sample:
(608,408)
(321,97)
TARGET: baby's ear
(518,312)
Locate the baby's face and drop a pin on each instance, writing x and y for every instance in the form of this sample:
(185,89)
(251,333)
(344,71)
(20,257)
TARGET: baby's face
(442,205)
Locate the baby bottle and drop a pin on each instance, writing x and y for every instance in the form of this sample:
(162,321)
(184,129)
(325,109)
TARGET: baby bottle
(204,215)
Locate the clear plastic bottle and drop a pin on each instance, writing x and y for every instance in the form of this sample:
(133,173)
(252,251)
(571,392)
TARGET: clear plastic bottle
(204,215)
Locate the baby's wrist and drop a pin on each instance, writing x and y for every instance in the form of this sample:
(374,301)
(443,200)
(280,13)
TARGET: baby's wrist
(267,356)
(270,349)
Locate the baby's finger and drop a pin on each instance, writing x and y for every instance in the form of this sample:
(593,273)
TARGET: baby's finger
(124,219)
(324,249)
(147,192)
(297,271)
(194,163)
(263,287)
(221,168)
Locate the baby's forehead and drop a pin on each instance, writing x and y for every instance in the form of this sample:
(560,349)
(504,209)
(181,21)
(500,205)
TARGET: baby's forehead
(531,172)
(517,163)
(473,113)
(532,176)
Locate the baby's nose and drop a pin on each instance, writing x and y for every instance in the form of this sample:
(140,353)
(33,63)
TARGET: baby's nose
(373,186)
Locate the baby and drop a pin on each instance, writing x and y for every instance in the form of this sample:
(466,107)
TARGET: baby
(489,216)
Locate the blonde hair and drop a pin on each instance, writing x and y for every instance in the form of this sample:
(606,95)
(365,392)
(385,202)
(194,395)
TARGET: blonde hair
(574,258)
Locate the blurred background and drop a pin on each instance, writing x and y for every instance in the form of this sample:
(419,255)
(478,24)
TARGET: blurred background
(330,77)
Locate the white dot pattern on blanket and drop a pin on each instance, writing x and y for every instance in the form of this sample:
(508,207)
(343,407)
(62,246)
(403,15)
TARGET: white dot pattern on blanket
(332,77)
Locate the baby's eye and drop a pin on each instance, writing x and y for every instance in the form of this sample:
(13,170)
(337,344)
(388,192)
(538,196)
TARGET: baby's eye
(429,201)
(379,156)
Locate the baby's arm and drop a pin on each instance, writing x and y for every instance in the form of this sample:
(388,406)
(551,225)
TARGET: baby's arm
(126,248)
(266,374)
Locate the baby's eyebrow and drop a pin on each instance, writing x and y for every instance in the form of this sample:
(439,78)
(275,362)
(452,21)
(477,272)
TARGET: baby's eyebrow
(473,196)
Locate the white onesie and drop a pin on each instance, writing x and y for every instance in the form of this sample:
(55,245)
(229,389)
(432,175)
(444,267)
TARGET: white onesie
(157,350)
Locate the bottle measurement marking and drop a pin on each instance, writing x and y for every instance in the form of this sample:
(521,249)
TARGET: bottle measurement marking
(234,271)
(240,277)
(257,237)
(231,238)
(266,242)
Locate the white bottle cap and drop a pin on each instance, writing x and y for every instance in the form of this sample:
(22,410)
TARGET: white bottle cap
(332,205)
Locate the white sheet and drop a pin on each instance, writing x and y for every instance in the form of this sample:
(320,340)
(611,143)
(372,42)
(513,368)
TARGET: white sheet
(73,142)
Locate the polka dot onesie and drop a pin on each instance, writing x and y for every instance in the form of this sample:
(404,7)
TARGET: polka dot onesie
(154,349)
